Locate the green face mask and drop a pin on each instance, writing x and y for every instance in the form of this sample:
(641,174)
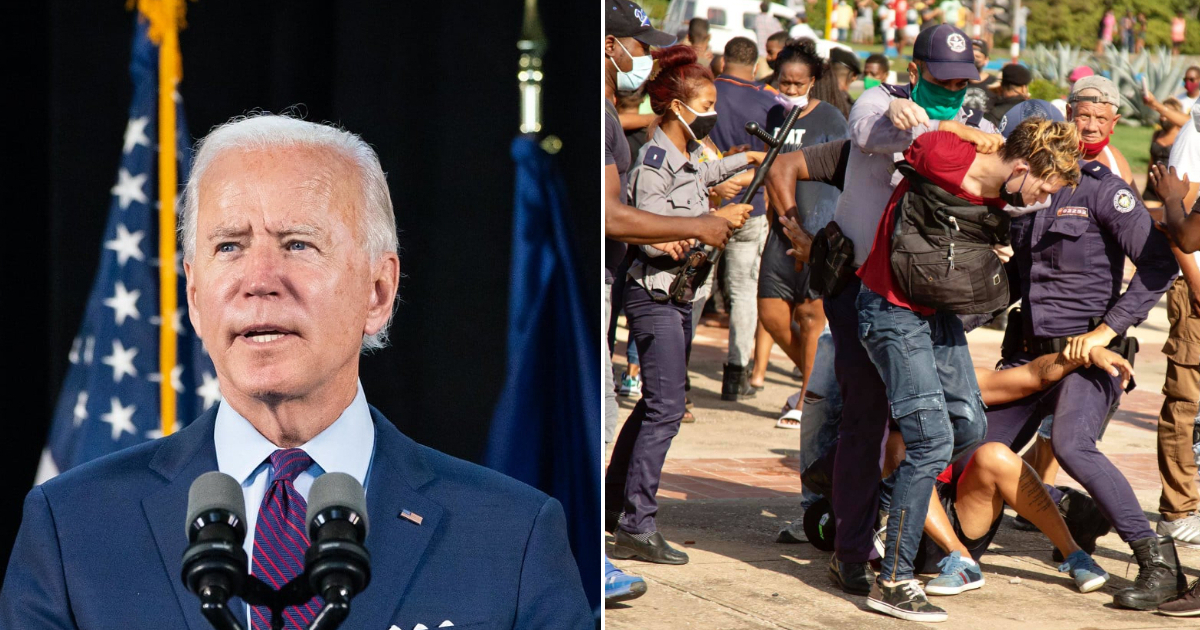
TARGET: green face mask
(869,83)
(938,102)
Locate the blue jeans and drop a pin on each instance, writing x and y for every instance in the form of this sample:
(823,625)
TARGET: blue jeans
(822,417)
(934,399)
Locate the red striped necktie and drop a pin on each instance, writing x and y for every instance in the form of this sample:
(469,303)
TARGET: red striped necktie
(280,539)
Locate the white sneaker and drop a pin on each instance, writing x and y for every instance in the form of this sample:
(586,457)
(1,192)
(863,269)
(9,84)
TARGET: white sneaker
(1185,531)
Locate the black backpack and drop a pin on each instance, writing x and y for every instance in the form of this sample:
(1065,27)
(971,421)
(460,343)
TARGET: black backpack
(942,254)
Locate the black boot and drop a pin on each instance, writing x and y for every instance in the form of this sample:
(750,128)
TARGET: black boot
(1159,575)
(735,385)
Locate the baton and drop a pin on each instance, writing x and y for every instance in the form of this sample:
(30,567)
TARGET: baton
(774,144)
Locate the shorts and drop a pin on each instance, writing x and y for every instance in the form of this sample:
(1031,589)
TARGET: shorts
(929,554)
(777,277)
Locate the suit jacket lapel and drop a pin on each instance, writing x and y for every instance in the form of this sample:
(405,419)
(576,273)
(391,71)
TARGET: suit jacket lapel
(396,544)
(179,461)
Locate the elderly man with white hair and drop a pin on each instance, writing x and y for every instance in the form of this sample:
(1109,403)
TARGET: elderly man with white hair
(289,241)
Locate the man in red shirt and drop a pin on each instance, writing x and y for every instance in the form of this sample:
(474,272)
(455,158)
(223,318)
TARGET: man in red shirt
(922,354)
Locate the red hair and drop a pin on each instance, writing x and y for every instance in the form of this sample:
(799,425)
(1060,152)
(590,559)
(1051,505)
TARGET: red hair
(679,77)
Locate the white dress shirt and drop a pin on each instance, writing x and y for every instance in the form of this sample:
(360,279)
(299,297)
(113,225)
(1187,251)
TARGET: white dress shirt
(347,446)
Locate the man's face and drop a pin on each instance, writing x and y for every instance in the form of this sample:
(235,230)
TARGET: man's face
(954,85)
(281,287)
(1034,189)
(1095,121)
(980,59)
(876,71)
(613,48)
(1191,81)
(773,49)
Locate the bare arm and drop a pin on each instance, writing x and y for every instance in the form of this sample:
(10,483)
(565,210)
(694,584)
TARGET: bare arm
(631,122)
(1178,119)
(1177,194)
(627,224)
(1001,386)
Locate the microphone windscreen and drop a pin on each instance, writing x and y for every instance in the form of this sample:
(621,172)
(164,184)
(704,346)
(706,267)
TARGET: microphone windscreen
(336,489)
(215,491)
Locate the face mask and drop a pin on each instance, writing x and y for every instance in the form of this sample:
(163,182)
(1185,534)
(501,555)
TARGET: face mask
(869,83)
(1092,149)
(1014,199)
(703,123)
(771,64)
(632,80)
(938,102)
(1191,85)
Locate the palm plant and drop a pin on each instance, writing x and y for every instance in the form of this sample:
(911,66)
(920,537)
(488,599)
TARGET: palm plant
(1055,64)
(1162,74)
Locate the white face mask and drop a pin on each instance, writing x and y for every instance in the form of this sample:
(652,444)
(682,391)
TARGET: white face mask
(637,75)
(802,100)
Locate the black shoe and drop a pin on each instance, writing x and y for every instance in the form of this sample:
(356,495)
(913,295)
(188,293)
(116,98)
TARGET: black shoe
(1084,520)
(1186,605)
(854,578)
(655,549)
(1159,575)
(611,521)
(734,383)
(906,600)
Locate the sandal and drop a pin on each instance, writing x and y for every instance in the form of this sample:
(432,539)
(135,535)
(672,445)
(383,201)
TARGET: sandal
(789,420)
(688,418)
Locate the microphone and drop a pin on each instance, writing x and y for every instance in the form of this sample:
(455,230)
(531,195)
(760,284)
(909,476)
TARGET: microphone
(214,564)
(337,564)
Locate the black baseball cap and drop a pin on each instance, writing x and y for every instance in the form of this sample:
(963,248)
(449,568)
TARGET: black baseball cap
(846,58)
(947,53)
(1016,74)
(626,19)
(981,45)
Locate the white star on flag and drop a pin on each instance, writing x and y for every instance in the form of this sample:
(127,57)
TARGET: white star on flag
(153,434)
(126,245)
(124,303)
(81,408)
(176,320)
(176,381)
(129,188)
(121,419)
(121,361)
(135,133)
(210,391)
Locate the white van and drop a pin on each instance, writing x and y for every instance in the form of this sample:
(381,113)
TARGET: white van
(731,18)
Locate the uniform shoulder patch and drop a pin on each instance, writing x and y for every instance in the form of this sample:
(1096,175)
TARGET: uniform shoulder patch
(654,157)
(1124,200)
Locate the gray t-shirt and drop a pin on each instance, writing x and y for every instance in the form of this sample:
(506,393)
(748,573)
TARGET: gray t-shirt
(876,146)
(616,151)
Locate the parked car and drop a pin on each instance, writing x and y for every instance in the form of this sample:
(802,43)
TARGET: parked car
(732,18)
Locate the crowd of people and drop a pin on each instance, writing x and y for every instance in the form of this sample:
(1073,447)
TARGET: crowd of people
(968,198)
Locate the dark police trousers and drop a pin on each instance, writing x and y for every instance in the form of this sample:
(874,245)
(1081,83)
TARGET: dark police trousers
(1080,403)
(663,334)
(860,436)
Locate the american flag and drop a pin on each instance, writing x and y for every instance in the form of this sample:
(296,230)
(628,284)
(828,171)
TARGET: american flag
(110,397)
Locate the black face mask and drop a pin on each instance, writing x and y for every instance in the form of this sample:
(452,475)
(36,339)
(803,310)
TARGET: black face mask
(1014,199)
(771,64)
(702,125)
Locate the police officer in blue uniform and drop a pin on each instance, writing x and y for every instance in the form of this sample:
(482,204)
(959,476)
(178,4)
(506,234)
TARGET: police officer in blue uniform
(670,179)
(1068,263)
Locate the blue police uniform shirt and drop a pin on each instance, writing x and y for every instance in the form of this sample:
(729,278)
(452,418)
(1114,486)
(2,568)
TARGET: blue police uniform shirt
(739,102)
(1070,258)
(815,201)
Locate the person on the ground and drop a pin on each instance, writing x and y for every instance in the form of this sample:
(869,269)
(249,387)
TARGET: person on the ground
(935,403)
(1068,267)
(875,71)
(1014,88)
(788,312)
(670,179)
(628,37)
(979,92)
(741,99)
(698,38)
(1093,106)
(884,121)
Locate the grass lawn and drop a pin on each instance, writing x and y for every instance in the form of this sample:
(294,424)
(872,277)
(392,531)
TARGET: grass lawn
(1134,143)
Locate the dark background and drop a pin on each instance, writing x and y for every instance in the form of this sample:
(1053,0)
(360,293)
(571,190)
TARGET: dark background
(432,86)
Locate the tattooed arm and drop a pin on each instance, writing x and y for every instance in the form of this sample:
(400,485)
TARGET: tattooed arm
(1001,386)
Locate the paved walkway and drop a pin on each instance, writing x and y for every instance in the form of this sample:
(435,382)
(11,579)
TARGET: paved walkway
(731,482)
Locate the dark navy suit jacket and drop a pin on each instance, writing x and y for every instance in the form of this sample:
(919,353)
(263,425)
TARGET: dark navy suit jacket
(100,546)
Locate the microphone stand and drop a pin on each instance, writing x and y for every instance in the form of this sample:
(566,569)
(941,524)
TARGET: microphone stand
(701,253)
(214,604)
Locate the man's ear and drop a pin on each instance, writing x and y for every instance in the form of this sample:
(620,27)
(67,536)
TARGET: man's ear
(914,72)
(1113,127)
(190,290)
(610,45)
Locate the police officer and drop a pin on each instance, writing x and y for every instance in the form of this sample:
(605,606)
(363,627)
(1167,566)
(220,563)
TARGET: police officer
(669,179)
(1069,260)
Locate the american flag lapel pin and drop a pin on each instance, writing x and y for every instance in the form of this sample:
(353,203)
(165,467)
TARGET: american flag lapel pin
(407,515)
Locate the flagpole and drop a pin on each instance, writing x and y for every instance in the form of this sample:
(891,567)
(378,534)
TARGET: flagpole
(165,17)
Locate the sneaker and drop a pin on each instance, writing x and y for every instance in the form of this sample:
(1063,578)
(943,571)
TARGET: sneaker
(1186,605)
(1185,531)
(630,386)
(904,600)
(793,533)
(620,586)
(1020,523)
(1088,575)
(958,574)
